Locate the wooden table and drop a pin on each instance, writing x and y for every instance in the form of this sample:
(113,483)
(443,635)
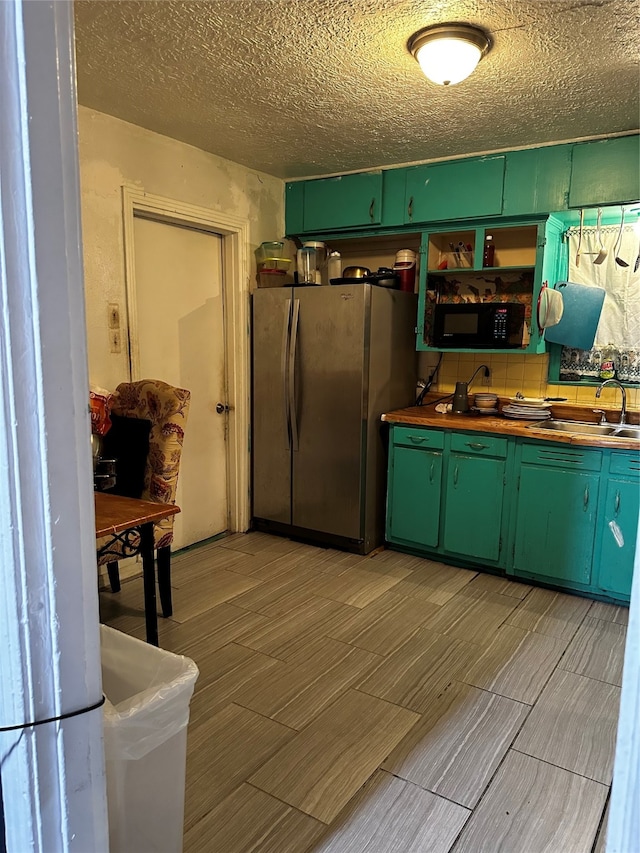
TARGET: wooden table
(131,522)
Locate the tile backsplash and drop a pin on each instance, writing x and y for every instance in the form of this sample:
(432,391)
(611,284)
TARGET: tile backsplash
(512,373)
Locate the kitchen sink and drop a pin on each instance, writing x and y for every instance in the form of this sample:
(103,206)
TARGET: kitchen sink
(578,428)
(626,432)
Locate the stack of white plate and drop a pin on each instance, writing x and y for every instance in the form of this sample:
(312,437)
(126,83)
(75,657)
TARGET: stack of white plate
(527,409)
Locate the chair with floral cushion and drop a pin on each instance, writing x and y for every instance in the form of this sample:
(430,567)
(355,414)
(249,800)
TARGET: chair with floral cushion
(166,408)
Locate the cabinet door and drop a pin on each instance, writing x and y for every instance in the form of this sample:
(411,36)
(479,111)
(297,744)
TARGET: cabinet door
(413,502)
(463,189)
(555,523)
(618,527)
(537,180)
(473,506)
(605,172)
(346,201)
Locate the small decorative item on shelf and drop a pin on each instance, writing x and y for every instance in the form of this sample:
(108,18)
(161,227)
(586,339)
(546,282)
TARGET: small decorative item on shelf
(488,255)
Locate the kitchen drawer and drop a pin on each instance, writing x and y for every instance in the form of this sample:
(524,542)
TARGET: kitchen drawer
(479,445)
(574,458)
(418,437)
(627,464)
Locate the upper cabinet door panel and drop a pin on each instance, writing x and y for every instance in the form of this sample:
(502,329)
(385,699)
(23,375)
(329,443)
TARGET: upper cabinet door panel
(347,201)
(462,189)
(537,180)
(605,172)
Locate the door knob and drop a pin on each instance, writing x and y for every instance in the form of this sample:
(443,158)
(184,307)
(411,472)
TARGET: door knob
(221,407)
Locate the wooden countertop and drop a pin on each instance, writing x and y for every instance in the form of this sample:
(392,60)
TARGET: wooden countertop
(499,425)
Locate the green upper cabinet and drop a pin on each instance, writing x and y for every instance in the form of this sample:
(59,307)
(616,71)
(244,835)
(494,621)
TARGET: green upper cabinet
(460,189)
(537,180)
(346,201)
(605,172)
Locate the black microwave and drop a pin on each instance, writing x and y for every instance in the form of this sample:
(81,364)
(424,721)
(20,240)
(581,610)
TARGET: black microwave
(478,325)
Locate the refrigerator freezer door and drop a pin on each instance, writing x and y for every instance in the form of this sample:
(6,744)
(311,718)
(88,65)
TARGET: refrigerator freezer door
(271,446)
(331,352)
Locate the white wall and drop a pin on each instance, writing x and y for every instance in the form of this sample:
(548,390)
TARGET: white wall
(113,153)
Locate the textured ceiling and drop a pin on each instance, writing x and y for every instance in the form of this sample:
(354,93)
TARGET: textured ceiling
(311,87)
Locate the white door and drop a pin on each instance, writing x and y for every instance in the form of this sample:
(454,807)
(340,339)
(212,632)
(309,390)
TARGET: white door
(180,337)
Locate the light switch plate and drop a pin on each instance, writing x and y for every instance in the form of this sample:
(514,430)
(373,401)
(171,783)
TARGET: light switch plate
(114,315)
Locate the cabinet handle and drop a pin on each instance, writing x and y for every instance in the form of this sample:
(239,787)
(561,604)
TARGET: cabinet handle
(371,208)
(410,208)
(431,471)
(616,504)
(476,445)
(455,476)
(417,439)
(585,500)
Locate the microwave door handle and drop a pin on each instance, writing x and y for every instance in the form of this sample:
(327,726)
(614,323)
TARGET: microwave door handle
(286,342)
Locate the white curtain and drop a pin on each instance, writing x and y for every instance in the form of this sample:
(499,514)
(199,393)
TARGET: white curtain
(620,321)
(619,325)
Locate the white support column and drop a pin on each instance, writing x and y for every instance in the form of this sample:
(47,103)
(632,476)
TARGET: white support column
(53,783)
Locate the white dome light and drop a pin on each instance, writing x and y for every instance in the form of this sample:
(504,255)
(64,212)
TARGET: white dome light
(448,53)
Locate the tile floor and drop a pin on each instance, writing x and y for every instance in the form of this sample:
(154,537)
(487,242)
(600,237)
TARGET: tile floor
(386,704)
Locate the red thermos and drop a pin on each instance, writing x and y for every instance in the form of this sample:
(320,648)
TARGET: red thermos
(405,266)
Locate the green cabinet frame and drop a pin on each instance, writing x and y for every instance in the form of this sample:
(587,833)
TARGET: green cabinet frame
(618,528)
(555,517)
(547,264)
(476,478)
(605,172)
(415,469)
(455,495)
(461,189)
(345,201)
(529,182)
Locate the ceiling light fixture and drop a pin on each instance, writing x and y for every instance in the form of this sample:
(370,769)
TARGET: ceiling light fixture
(448,53)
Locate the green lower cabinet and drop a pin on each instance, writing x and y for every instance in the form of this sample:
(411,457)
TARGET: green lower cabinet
(473,507)
(569,519)
(618,527)
(415,485)
(555,517)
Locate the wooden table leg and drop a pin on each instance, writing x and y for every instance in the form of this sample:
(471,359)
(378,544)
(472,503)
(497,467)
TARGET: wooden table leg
(149,579)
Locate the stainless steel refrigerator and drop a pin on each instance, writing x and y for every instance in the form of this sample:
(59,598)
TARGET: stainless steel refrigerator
(327,362)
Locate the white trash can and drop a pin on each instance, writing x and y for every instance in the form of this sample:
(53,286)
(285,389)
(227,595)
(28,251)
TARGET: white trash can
(146,712)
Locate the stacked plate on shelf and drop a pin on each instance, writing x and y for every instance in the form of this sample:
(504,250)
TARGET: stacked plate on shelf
(527,409)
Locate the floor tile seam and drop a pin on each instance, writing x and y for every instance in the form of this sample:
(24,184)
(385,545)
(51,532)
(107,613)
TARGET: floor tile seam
(559,666)
(542,633)
(383,655)
(610,622)
(289,805)
(590,677)
(553,668)
(560,767)
(469,809)
(601,822)
(508,749)
(465,591)
(459,680)
(359,689)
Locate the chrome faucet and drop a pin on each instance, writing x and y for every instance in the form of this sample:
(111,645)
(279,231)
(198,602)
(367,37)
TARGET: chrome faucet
(623,410)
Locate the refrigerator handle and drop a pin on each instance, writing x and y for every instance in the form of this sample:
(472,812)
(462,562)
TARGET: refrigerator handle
(285,375)
(293,420)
